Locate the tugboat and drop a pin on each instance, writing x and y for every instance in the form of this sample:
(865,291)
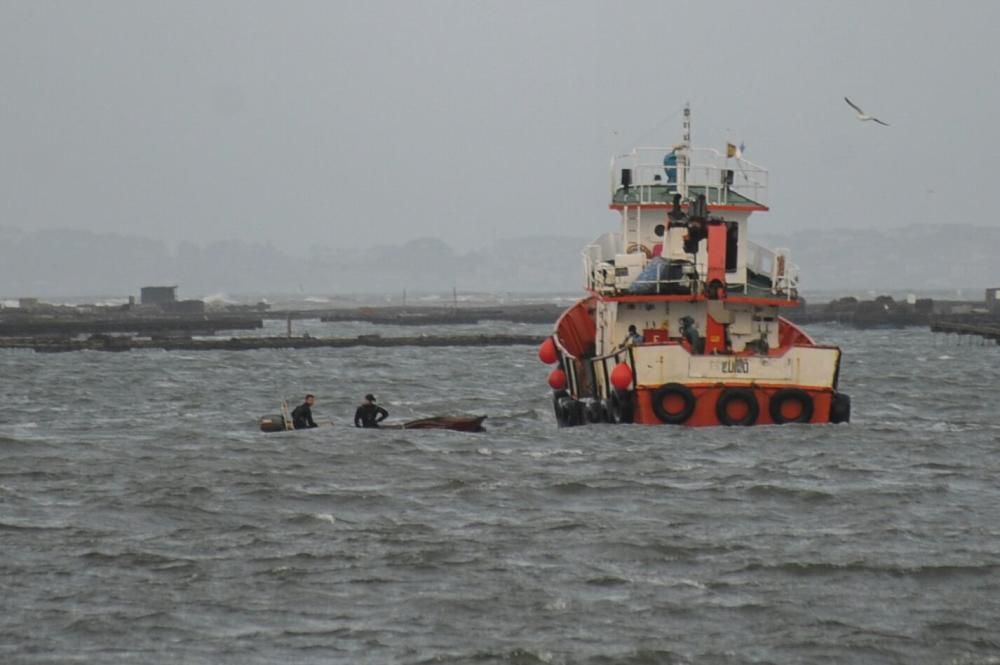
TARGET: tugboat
(682,324)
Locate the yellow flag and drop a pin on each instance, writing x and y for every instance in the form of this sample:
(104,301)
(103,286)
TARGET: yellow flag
(730,150)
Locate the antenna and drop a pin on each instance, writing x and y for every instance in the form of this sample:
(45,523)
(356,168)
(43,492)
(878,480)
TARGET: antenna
(682,157)
(687,124)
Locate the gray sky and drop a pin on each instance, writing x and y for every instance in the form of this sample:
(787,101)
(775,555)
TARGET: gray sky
(356,123)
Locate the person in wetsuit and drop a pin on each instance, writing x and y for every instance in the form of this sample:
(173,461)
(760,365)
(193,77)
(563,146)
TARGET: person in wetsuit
(369,414)
(302,415)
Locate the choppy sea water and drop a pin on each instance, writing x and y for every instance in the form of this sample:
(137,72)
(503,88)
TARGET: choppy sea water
(143,519)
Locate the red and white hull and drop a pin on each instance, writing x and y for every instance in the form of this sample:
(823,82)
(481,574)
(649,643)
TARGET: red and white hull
(668,384)
(682,325)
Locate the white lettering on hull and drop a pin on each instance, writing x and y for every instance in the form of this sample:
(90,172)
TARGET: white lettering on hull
(749,368)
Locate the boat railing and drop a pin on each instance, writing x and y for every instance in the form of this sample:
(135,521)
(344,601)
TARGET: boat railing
(601,252)
(642,177)
(571,365)
(786,274)
(602,366)
(602,275)
(776,266)
(760,259)
(688,282)
(592,375)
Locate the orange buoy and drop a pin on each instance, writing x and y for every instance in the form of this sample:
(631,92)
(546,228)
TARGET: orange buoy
(547,351)
(557,379)
(621,376)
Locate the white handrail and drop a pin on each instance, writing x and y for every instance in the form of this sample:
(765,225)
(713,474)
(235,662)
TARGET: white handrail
(697,168)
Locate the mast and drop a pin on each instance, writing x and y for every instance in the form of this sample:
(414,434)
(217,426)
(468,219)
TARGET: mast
(682,154)
(687,124)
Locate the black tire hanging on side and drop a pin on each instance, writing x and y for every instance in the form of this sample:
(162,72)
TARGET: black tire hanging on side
(840,408)
(574,412)
(666,390)
(782,396)
(609,415)
(594,412)
(737,394)
(620,407)
(557,406)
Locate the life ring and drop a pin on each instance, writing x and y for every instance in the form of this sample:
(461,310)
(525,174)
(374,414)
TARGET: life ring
(737,395)
(791,396)
(673,403)
(620,407)
(634,246)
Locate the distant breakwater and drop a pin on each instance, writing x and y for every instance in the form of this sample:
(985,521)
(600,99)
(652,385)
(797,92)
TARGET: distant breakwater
(67,322)
(120,344)
(886,312)
(988,330)
(415,316)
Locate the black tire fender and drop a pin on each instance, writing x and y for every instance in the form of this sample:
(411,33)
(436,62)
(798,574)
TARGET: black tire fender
(558,397)
(840,408)
(666,390)
(785,394)
(741,394)
(609,414)
(595,413)
(574,412)
(620,407)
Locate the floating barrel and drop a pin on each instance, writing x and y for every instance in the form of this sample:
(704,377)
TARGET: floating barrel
(272,424)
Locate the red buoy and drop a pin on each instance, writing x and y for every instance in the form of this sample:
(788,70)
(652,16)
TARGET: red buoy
(621,376)
(547,351)
(557,379)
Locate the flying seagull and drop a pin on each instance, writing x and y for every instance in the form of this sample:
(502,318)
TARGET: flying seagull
(862,115)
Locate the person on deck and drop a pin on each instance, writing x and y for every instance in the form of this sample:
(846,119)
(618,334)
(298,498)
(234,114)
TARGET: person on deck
(633,338)
(302,416)
(369,414)
(689,332)
(670,167)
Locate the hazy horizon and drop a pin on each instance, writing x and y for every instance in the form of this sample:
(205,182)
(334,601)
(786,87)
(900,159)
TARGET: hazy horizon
(923,259)
(350,124)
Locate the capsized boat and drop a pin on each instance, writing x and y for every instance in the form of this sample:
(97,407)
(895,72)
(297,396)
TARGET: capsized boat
(456,423)
(280,423)
(682,324)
